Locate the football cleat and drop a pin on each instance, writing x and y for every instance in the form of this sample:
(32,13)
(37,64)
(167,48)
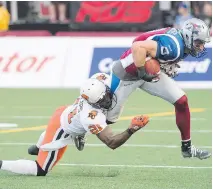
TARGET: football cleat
(79,142)
(192,151)
(33,150)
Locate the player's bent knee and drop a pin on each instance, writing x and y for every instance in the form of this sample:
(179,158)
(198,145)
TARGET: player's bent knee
(40,171)
(182,102)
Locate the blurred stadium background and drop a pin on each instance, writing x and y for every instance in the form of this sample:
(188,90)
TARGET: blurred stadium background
(49,48)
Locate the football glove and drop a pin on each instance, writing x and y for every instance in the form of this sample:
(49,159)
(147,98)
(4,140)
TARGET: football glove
(138,122)
(170,69)
(79,142)
(147,77)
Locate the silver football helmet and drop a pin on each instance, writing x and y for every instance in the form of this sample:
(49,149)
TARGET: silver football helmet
(195,34)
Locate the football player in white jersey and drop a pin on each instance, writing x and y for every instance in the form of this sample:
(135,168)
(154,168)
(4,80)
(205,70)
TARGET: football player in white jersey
(86,115)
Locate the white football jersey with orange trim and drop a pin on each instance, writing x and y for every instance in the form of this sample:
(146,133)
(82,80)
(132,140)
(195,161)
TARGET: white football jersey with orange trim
(81,117)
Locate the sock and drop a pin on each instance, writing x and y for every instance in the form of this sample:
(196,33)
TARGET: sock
(24,167)
(183,117)
(40,140)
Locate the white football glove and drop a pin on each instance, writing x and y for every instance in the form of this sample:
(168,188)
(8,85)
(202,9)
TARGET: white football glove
(170,69)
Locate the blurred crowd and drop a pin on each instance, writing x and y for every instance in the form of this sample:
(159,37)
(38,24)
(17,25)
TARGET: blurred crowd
(198,9)
(59,11)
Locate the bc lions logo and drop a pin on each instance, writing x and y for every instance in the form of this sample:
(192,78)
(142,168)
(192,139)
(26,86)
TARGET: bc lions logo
(93,114)
(101,77)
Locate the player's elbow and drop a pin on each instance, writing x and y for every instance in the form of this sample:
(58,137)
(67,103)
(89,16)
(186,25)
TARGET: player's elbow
(138,47)
(138,53)
(111,144)
(113,147)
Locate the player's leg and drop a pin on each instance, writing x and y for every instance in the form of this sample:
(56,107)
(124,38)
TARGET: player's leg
(34,149)
(122,90)
(167,89)
(22,166)
(36,168)
(46,160)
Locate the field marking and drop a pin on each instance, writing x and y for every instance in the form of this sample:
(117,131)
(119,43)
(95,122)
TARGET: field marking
(162,118)
(8,125)
(24,129)
(103,145)
(160,114)
(165,131)
(54,107)
(42,127)
(133,166)
(24,117)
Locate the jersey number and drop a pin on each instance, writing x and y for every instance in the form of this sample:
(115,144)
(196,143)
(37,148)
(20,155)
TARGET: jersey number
(95,129)
(164,50)
(71,115)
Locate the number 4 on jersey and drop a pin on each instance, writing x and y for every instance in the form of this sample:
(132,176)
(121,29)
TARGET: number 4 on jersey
(164,50)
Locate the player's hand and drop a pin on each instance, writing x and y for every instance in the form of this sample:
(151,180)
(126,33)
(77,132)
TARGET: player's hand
(151,78)
(138,122)
(147,77)
(170,69)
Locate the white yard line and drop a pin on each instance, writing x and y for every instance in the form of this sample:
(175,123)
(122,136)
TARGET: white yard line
(133,166)
(165,131)
(103,145)
(27,107)
(8,125)
(51,107)
(24,117)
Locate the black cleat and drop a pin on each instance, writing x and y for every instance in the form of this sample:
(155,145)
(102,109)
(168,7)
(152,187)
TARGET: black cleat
(33,150)
(189,151)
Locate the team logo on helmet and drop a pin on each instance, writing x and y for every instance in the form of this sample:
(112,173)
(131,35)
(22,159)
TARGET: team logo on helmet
(101,77)
(85,96)
(93,114)
(196,29)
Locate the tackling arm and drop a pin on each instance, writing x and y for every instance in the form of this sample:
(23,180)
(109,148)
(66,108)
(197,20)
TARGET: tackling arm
(111,140)
(114,141)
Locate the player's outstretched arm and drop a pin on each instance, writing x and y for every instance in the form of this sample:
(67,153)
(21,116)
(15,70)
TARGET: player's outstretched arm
(114,141)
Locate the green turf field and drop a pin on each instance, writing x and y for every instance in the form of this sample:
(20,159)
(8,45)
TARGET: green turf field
(150,160)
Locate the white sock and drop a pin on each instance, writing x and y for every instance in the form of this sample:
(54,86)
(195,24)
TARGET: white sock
(24,167)
(40,140)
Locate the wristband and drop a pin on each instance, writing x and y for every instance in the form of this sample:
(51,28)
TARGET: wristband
(129,131)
